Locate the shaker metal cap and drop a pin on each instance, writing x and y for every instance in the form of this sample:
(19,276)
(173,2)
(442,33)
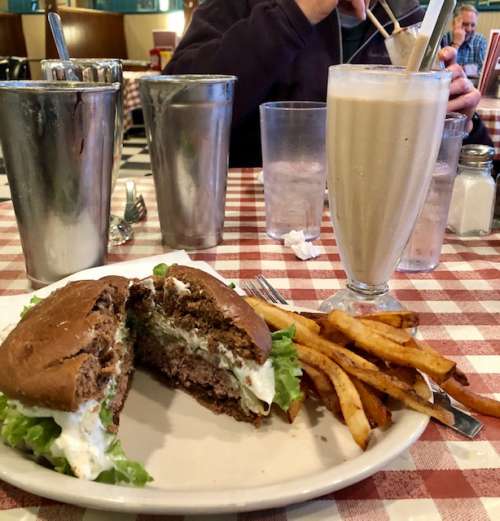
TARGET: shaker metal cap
(476,155)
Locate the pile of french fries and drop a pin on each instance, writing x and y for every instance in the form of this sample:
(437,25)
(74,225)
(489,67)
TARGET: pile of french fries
(353,364)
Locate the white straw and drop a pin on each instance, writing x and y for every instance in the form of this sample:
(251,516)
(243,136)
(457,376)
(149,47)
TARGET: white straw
(377,24)
(388,10)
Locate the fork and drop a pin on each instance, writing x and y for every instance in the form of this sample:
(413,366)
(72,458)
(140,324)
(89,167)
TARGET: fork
(135,207)
(263,289)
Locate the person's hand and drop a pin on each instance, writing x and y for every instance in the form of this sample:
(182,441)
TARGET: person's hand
(464,97)
(317,10)
(458,32)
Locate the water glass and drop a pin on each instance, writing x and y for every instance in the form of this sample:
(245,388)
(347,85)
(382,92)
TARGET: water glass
(294,162)
(424,247)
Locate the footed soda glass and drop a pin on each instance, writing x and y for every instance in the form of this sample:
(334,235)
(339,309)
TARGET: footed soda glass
(384,128)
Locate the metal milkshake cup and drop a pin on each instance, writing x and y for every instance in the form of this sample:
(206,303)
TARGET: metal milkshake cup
(188,120)
(57,140)
(92,70)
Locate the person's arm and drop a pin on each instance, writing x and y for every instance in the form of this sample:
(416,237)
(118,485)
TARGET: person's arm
(225,37)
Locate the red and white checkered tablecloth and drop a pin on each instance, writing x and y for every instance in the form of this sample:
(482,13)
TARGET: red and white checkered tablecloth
(489,110)
(442,476)
(131,95)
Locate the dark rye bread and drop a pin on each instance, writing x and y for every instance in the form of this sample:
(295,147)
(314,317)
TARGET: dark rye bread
(61,352)
(217,311)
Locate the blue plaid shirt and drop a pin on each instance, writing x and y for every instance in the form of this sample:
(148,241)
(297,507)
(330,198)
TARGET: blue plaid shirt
(471,51)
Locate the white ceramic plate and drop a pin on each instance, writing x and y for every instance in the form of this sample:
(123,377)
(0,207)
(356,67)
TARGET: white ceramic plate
(204,463)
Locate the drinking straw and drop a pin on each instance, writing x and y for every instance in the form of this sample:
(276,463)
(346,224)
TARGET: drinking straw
(388,10)
(377,24)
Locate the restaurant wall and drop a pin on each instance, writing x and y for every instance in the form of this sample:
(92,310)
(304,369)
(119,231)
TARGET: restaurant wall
(139,27)
(487,21)
(139,31)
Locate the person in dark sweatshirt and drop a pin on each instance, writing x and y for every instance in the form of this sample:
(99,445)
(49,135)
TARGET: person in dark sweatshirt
(280,50)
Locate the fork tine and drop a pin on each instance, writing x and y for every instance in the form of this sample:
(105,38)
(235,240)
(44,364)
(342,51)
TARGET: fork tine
(249,289)
(279,298)
(265,291)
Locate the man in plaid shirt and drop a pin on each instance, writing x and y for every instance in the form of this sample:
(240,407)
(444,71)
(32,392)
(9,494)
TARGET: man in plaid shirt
(471,47)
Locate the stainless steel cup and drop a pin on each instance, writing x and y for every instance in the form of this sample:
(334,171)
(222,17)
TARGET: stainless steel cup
(188,120)
(57,140)
(93,70)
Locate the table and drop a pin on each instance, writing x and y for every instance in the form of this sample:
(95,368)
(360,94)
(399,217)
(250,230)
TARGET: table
(131,96)
(442,476)
(489,110)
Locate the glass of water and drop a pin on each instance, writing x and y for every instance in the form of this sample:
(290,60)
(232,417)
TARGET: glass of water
(294,162)
(424,247)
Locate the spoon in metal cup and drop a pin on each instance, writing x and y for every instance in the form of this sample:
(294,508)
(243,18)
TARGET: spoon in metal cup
(62,48)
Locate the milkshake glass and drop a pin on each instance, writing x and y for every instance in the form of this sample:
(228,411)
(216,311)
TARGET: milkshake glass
(384,128)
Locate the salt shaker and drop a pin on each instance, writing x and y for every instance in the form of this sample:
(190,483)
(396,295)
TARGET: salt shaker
(473,198)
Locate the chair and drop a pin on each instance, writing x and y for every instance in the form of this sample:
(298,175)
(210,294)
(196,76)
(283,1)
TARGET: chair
(13,55)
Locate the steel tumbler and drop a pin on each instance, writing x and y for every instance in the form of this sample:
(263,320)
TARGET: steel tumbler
(93,70)
(188,121)
(57,140)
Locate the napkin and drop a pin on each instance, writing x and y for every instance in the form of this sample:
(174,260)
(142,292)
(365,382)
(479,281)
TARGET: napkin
(297,242)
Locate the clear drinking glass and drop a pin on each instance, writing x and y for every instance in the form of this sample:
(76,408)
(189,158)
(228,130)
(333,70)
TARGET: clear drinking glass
(400,45)
(294,163)
(384,129)
(105,71)
(424,247)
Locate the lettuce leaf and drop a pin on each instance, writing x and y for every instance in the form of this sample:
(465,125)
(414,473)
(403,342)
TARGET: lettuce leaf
(161,270)
(287,370)
(35,434)
(38,434)
(125,470)
(33,302)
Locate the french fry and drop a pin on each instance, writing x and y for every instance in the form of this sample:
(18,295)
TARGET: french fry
(400,319)
(408,375)
(438,367)
(306,322)
(400,336)
(421,387)
(331,333)
(280,319)
(378,414)
(350,402)
(418,344)
(395,388)
(323,387)
(473,401)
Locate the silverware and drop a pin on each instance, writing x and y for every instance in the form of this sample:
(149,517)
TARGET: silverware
(464,423)
(135,207)
(120,231)
(262,288)
(61,46)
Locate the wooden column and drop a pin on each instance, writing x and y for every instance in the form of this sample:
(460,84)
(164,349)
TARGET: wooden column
(189,7)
